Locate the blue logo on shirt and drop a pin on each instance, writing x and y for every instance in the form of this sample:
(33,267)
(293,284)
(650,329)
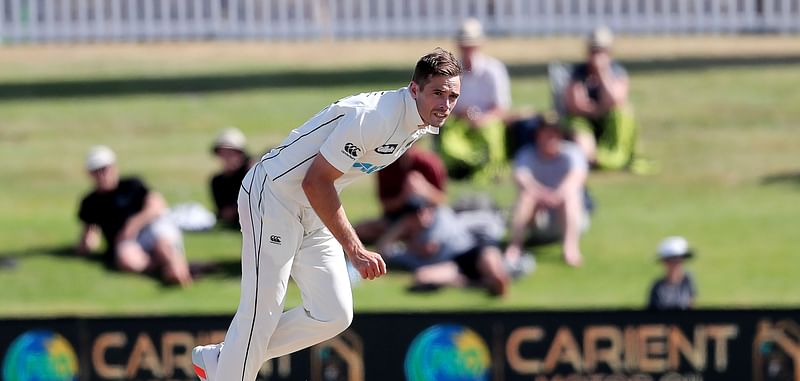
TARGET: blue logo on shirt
(368,167)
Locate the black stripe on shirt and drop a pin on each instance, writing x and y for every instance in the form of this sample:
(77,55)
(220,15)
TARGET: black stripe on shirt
(280,148)
(295,166)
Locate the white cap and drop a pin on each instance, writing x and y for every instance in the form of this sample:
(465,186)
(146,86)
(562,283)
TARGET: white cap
(601,38)
(470,33)
(674,247)
(230,137)
(99,157)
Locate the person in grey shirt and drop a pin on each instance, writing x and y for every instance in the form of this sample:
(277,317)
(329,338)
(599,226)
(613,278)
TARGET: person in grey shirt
(677,289)
(441,251)
(550,176)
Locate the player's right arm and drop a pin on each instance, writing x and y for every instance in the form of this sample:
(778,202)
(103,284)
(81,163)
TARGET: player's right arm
(318,185)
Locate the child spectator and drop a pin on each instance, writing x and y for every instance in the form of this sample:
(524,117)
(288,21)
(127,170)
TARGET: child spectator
(676,290)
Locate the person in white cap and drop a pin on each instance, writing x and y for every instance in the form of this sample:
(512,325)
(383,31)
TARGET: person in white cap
(473,144)
(229,147)
(597,106)
(139,237)
(677,289)
(294,225)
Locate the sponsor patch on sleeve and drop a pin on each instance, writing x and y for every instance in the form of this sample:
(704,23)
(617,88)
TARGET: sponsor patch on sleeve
(351,150)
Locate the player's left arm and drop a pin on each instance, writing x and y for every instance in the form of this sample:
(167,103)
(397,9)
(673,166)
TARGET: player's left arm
(319,188)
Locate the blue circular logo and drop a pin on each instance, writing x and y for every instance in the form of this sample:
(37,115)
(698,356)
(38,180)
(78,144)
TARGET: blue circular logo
(447,352)
(40,356)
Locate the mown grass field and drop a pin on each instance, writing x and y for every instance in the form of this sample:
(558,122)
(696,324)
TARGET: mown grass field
(722,123)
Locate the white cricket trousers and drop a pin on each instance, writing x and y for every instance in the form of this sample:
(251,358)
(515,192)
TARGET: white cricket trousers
(280,239)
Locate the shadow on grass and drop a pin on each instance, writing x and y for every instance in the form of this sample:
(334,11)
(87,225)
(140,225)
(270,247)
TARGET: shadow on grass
(782,178)
(9,260)
(217,269)
(210,83)
(66,252)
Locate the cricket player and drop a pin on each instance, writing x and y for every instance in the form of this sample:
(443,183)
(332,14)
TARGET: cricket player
(293,223)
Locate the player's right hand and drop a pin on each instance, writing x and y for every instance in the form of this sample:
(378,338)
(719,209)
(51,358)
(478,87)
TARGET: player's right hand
(368,263)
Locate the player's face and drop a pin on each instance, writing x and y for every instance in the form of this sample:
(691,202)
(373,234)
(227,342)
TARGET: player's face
(436,100)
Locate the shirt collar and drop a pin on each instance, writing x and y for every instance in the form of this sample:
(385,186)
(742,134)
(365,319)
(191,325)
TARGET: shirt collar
(412,120)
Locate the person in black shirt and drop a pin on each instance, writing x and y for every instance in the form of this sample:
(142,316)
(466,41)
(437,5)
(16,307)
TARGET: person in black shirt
(676,290)
(229,147)
(139,237)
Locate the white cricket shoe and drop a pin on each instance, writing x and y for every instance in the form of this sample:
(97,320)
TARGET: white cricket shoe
(204,360)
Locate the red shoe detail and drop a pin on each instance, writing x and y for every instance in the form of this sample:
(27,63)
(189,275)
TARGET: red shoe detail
(200,372)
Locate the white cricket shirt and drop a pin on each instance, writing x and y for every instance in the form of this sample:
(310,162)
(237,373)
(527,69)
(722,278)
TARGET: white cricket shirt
(358,135)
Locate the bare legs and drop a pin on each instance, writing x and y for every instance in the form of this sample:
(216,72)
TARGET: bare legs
(489,264)
(165,257)
(570,213)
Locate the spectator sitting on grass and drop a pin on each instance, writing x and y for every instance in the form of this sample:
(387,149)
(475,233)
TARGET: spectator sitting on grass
(597,106)
(139,237)
(676,290)
(472,144)
(551,179)
(417,173)
(441,251)
(229,147)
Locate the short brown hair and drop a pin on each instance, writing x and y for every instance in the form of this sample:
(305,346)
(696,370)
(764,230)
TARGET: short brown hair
(437,62)
(551,119)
